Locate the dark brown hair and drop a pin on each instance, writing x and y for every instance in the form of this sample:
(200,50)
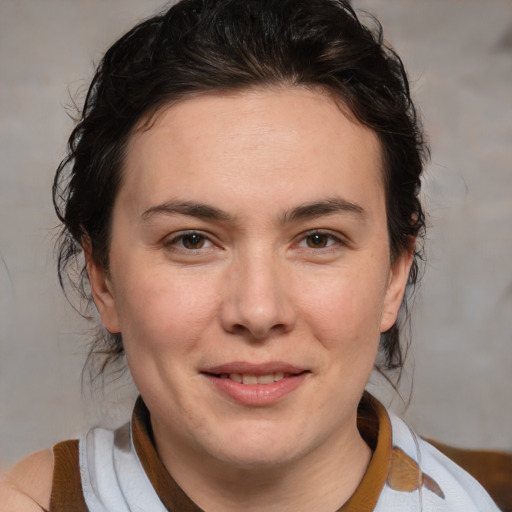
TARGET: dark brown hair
(198,46)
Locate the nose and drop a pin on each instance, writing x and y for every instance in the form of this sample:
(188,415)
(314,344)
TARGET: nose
(258,304)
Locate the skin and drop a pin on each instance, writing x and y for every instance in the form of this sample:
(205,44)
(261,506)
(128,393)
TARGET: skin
(252,289)
(264,277)
(27,486)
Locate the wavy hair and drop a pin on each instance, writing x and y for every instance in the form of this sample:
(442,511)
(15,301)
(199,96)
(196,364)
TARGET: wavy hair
(197,46)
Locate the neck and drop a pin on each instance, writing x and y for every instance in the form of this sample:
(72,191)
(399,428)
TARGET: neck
(322,480)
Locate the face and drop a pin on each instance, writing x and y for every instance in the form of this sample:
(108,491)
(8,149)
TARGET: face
(250,274)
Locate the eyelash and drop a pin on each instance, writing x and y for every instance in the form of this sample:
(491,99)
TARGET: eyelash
(336,241)
(172,244)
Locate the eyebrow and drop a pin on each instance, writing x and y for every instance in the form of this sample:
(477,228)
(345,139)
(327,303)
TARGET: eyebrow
(320,208)
(190,208)
(208,212)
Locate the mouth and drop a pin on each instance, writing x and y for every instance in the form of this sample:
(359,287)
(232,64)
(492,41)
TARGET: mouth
(251,379)
(256,385)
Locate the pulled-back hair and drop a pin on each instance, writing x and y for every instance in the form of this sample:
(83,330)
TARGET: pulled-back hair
(197,46)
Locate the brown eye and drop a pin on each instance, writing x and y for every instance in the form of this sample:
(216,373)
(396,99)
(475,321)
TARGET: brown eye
(193,241)
(317,241)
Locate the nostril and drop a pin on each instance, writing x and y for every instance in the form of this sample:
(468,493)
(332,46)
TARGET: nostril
(258,333)
(248,312)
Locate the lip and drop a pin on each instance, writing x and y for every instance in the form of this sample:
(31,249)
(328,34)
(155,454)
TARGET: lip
(256,395)
(255,369)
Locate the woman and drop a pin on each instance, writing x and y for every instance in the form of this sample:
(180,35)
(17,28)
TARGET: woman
(243,185)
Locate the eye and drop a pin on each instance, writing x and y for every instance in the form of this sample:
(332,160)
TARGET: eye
(319,240)
(191,241)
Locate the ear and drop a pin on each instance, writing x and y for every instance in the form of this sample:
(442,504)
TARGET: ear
(101,288)
(398,277)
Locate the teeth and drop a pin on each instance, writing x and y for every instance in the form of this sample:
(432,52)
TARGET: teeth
(254,379)
(250,379)
(265,379)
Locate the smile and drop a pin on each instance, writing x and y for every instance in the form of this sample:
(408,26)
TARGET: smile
(249,379)
(256,385)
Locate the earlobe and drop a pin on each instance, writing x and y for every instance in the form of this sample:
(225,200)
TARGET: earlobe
(101,288)
(399,275)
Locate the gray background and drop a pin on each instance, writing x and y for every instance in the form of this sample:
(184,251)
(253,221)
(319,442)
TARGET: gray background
(459,55)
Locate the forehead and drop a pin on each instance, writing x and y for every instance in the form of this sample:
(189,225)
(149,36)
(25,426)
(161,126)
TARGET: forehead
(284,145)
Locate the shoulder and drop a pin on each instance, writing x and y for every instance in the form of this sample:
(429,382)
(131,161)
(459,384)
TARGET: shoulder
(443,483)
(481,474)
(27,486)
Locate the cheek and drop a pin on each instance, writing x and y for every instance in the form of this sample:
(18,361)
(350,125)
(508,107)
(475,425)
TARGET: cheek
(345,310)
(161,312)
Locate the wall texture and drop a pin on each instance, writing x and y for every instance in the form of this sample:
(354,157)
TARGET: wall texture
(459,55)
